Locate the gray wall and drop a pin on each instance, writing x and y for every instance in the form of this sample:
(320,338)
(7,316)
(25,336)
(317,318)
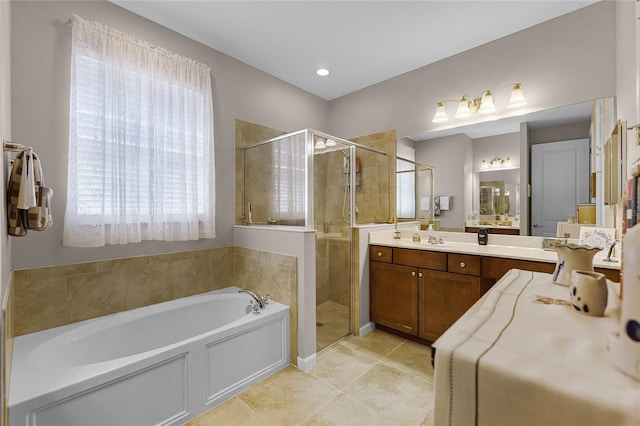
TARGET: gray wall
(40,113)
(560,62)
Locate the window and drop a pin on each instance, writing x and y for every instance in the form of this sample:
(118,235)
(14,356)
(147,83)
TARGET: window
(141,158)
(288,194)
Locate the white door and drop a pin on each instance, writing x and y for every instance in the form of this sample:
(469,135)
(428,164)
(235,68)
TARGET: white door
(559,182)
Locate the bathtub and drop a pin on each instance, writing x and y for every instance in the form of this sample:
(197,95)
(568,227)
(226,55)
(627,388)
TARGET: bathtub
(162,364)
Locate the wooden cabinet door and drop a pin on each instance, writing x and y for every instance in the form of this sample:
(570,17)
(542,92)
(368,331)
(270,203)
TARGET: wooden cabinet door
(394,297)
(443,298)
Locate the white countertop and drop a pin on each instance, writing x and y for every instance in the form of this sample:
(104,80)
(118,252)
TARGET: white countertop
(506,246)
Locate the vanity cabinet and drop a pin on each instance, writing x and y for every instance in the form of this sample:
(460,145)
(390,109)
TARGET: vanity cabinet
(422,293)
(443,298)
(394,296)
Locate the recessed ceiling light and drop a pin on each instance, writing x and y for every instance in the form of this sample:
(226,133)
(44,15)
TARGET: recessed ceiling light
(322,72)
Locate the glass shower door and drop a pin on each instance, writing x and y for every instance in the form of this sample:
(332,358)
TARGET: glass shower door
(332,216)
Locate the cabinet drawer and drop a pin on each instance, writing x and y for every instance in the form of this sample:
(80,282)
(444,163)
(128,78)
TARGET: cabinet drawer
(495,267)
(420,258)
(381,253)
(463,264)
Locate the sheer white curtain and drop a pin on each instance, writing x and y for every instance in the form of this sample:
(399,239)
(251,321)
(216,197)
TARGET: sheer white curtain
(141,158)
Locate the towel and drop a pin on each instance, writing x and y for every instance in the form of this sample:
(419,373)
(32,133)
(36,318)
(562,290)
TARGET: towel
(29,201)
(27,190)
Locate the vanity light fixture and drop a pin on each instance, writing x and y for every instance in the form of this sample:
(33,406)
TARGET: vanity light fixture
(496,163)
(482,105)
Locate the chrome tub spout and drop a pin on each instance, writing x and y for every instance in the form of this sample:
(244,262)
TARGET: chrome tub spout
(260,300)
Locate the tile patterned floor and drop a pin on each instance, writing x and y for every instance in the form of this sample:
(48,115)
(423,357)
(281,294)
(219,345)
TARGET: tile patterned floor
(334,318)
(378,379)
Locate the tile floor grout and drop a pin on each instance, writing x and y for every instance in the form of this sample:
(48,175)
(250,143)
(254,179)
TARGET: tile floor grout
(373,365)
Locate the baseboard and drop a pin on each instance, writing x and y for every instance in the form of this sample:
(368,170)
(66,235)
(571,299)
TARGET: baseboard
(306,364)
(367,328)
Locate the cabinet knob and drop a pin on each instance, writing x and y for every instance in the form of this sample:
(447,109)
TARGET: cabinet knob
(420,274)
(413,274)
(379,254)
(462,264)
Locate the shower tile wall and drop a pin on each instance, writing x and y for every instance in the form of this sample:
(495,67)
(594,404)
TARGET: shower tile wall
(48,297)
(377,183)
(246,134)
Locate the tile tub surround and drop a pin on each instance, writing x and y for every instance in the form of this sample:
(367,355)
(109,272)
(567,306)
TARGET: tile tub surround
(58,295)
(377,379)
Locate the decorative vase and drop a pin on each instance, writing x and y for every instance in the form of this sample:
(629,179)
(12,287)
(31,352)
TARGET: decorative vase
(572,257)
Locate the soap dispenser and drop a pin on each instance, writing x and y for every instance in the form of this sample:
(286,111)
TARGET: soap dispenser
(416,236)
(483,236)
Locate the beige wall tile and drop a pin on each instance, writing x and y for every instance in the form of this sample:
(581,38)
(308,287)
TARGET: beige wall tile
(221,260)
(61,271)
(39,304)
(94,295)
(189,277)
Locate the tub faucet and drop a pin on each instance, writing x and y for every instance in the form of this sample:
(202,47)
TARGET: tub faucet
(260,300)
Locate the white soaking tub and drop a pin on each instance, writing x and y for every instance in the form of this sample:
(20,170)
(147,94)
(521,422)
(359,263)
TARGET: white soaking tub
(162,364)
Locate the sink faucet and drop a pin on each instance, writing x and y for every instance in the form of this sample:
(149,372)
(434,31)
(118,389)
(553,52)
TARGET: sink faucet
(610,252)
(260,300)
(433,239)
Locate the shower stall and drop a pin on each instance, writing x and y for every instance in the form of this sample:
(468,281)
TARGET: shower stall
(317,181)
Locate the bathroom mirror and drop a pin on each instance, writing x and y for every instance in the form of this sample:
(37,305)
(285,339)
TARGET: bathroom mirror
(414,189)
(540,128)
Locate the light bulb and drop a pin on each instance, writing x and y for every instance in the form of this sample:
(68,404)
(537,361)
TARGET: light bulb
(463,109)
(441,114)
(319,144)
(517,97)
(486,103)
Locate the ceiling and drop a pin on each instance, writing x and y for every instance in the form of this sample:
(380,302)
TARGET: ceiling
(361,42)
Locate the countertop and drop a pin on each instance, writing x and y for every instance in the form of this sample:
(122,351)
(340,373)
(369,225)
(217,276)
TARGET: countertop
(506,246)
